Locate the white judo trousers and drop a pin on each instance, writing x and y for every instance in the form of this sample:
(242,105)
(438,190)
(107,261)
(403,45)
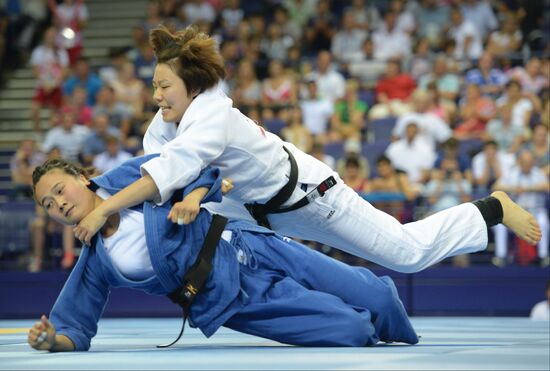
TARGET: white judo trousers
(344,220)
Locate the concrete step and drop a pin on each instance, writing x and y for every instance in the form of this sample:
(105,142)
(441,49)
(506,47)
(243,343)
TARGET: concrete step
(15,104)
(107,32)
(26,94)
(14,137)
(9,114)
(23,73)
(111,23)
(107,42)
(20,84)
(120,11)
(23,125)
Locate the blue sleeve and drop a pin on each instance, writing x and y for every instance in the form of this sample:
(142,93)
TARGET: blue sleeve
(210,178)
(81,302)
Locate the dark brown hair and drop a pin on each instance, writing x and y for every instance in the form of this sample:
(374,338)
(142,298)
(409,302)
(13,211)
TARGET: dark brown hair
(191,54)
(66,166)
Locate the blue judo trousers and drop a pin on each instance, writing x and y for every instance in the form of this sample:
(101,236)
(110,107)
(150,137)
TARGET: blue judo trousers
(261,283)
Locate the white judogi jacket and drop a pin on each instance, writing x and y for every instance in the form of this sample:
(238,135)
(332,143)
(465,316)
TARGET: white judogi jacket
(212,132)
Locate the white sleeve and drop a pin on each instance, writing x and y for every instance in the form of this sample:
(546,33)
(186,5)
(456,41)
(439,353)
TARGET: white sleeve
(49,141)
(182,159)
(441,130)
(400,126)
(152,140)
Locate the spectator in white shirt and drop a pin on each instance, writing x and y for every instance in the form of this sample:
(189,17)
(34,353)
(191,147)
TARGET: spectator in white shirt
(112,157)
(68,137)
(330,83)
(316,111)
(389,41)
(412,154)
(469,44)
(480,13)
(522,107)
(431,128)
(348,42)
(489,165)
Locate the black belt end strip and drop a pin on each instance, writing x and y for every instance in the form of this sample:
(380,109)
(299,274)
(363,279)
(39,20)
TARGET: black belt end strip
(195,278)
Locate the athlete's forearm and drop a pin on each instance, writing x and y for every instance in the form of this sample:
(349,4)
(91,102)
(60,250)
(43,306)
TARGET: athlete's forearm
(136,193)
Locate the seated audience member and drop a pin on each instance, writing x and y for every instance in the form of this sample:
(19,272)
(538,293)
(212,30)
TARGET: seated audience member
(431,128)
(467,39)
(365,67)
(95,143)
(443,108)
(330,83)
(473,114)
(522,106)
(531,77)
(279,89)
(112,157)
(83,111)
(119,114)
(392,92)
(295,132)
(390,180)
(128,89)
(508,137)
(68,137)
(491,80)
(353,175)
(505,41)
(22,164)
(450,160)
(353,148)
(489,165)
(348,40)
(82,76)
(316,112)
(421,63)
(447,188)
(432,18)
(412,154)
(391,41)
(539,146)
(528,186)
(447,83)
(349,115)
(247,90)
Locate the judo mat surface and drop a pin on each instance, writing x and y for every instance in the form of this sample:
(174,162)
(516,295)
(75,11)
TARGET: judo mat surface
(447,343)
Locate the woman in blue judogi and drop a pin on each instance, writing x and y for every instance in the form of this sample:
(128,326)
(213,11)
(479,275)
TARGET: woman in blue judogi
(261,283)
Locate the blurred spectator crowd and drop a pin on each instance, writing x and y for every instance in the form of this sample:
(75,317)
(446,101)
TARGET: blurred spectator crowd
(419,105)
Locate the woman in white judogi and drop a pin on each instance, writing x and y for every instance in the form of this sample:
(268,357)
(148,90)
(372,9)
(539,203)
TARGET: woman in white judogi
(197,126)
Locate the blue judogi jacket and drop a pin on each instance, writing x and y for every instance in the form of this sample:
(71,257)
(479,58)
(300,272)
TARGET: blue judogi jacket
(172,248)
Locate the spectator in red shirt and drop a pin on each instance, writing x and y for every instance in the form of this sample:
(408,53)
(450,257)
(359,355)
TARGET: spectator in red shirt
(392,92)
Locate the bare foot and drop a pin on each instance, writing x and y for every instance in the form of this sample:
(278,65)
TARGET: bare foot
(519,220)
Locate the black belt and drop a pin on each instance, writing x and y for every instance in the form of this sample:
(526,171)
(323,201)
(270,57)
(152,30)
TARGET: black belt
(196,276)
(260,211)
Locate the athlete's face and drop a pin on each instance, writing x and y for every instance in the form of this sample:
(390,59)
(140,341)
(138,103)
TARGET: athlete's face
(65,198)
(170,93)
